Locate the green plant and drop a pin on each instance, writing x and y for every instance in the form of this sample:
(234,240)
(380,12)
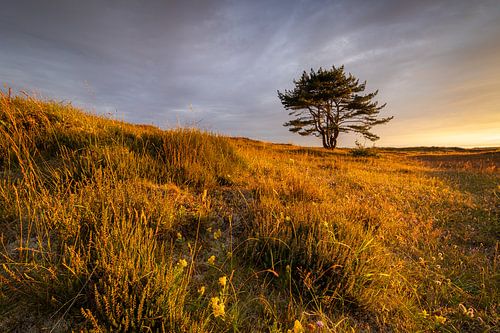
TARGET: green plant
(362,151)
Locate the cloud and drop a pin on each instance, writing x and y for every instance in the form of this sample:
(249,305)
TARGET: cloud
(151,60)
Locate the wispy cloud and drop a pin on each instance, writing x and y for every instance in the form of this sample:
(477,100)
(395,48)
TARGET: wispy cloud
(434,62)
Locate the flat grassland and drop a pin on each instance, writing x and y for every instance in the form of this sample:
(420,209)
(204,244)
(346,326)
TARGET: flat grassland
(108,226)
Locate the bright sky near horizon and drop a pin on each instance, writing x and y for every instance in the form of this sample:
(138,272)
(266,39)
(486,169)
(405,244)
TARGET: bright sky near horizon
(218,64)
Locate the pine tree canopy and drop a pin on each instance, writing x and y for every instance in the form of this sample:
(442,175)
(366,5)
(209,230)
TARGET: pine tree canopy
(327,102)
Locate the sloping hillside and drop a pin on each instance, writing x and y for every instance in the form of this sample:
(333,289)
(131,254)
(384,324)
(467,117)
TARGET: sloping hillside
(108,226)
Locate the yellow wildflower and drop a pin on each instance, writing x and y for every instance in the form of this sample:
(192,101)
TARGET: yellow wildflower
(425,314)
(222,281)
(201,290)
(440,319)
(217,307)
(182,263)
(297,327)
(211,260)
(217,234)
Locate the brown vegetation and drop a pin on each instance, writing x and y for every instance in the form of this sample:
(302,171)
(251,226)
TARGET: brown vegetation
(111,226)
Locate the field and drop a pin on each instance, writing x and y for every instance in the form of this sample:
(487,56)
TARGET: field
(108,226)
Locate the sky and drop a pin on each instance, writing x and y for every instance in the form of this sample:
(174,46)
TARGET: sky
(217,65)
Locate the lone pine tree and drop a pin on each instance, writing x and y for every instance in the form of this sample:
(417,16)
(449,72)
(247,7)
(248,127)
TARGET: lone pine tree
(326,103)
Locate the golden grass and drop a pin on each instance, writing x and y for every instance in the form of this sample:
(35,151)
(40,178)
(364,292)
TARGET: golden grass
(108,226)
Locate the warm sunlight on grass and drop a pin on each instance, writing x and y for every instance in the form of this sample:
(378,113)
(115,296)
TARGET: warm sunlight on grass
(108,226)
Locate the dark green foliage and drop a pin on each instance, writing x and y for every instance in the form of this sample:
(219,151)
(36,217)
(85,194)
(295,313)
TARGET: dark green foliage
(326,103)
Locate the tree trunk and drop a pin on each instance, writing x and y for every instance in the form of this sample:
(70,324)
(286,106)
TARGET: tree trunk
(329,143)
(333,138)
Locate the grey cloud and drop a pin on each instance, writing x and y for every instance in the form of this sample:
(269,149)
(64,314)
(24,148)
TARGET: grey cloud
(151,60)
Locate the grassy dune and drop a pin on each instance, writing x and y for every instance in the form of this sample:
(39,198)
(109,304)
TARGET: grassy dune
(108,226)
